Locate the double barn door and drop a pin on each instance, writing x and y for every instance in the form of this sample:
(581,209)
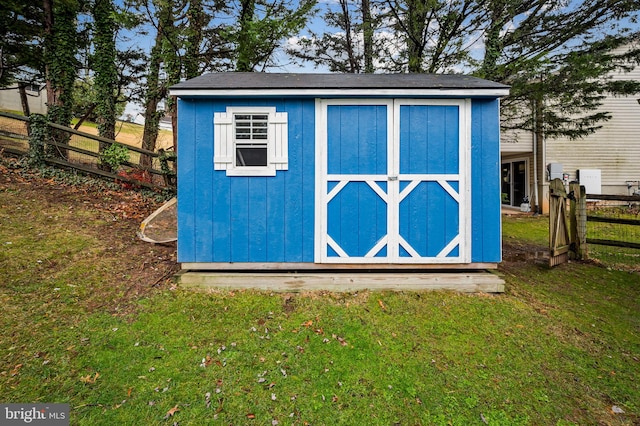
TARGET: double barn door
(392,181)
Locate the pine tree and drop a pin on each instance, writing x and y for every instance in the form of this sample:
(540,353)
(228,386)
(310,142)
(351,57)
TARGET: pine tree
(262,26)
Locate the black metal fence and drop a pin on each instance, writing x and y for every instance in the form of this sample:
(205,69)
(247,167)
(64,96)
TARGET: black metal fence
(613,220)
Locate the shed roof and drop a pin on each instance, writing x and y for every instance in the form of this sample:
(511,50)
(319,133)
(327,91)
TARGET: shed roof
(249,83)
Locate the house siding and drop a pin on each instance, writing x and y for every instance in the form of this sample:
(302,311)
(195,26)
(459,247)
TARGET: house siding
(516,142)
(614,149)
(10,100)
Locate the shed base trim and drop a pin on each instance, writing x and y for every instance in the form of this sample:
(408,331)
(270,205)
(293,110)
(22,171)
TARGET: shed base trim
(288,266)
(467,282)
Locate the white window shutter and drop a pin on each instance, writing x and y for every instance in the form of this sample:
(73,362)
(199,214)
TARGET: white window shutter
(222,141)
(280,151)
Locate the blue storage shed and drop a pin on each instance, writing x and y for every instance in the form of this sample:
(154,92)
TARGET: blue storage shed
(337,171)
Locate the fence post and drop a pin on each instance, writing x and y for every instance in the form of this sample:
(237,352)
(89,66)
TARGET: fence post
(578,221)
(581,216)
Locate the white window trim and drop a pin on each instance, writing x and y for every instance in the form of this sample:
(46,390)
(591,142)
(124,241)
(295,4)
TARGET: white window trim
(224,144)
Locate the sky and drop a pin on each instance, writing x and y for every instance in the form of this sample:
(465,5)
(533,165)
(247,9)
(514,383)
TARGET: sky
(317,24)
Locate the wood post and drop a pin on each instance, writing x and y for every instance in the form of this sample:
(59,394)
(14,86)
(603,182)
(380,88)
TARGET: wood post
(578,221)
(559,240)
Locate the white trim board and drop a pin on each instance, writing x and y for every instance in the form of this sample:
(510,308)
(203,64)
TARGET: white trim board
(445,93)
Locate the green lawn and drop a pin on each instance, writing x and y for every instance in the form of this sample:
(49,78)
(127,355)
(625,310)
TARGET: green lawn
(560,346)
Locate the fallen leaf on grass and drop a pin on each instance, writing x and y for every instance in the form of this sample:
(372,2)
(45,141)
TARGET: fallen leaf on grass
(251,416)
(89,379)
(206,361)
(171,412)
(340,339)
(384,308)
(16,370)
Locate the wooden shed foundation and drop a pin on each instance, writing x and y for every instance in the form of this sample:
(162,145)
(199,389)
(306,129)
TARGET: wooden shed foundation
(461,281)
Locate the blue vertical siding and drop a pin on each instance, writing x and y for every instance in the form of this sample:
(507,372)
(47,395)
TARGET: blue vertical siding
(357,139)
(429,143)
(357,145)
(244,219)
(433,134)
(485,181)
(203,196)
(271,219)
(186,181)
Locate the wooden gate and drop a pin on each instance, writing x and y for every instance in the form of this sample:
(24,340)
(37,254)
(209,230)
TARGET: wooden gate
(559,241)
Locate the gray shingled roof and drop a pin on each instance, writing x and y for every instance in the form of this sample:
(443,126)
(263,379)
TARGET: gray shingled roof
(250,81)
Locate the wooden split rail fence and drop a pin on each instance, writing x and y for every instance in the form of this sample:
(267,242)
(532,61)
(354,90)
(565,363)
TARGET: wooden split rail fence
(572,230)
(82,151)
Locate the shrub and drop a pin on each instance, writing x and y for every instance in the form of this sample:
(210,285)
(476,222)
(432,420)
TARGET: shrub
(115,156)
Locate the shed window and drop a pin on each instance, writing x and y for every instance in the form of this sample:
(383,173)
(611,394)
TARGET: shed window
(250,141)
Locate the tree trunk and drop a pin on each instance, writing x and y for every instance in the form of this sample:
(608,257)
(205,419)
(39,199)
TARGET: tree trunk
(244,62)
(60,47)
(23,99)
(106,77)
(367,32)
(84,117)
(151,125)
(174,123)
(154,95)
(47,6)
(197,20)
(353,65)
(417,25)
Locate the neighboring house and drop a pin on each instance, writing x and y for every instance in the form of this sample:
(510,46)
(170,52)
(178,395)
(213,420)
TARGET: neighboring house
(165,121)
(607,161)
(326,171)
(36,96)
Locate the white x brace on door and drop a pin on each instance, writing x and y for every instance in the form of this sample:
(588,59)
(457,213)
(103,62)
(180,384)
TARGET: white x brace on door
(392,181)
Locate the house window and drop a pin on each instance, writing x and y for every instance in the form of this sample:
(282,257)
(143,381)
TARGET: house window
(250,141)
(32,87)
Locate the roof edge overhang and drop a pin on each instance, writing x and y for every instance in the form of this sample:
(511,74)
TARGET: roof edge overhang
(336,92)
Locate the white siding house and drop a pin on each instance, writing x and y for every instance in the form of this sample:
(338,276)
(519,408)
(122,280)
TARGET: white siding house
(36,96)
(613,152)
